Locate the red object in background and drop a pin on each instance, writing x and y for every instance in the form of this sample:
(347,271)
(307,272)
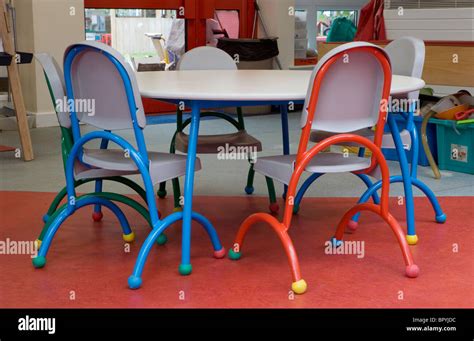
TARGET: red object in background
(371,23)
(106,39)
(195,13)
(6,149)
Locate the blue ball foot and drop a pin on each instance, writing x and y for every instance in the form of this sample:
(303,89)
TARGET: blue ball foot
(249,189)
(45,218)
(441,219)
(134,282)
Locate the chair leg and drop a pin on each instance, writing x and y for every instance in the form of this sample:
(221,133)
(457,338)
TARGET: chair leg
(302,191)
(313,177)
(219,250)
(54,204)
(274,208)
(176,195)
(161,193)
(135,280)
(97,214)
(250,177)
(62,214)
(299,285)
(440,216)
(411,269)
(162,189)
(110,196)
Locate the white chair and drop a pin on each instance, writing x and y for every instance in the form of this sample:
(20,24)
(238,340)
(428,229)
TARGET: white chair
(208,58)
(407,56)
(333,104)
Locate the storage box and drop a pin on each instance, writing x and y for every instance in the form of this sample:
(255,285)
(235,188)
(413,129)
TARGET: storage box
(391,154)
(455,146)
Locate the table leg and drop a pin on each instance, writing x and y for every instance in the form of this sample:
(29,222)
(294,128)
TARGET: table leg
(185,267)
(285,135)
(407,183)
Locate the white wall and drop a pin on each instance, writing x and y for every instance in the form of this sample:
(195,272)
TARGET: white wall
(45,26)
(455,24)
(282,25)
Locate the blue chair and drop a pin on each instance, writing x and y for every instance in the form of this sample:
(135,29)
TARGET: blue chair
(97,74)
(55,81)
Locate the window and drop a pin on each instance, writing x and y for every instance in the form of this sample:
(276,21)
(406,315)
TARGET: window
(131,31)
(140,13)
(326,17)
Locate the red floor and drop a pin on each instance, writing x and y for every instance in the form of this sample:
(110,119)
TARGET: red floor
(87,259)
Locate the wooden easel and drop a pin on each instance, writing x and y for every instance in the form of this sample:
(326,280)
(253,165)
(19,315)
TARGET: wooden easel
(14,78)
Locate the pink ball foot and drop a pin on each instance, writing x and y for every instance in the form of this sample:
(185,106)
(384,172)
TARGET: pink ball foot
(352,226)
(97,216)
(412,271)
(219,254)
(274,208)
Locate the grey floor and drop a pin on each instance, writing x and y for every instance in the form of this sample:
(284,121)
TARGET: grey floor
(218,177)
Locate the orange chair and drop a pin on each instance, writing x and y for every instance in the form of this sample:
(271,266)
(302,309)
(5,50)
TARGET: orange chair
(346,93)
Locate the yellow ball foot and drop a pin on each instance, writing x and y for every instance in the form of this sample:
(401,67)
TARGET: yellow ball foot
(299,287)
(177,209)
(128,238)
(412,239)
(37,244)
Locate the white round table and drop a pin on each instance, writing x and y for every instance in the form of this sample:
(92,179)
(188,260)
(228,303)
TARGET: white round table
(222,88)
(241,85)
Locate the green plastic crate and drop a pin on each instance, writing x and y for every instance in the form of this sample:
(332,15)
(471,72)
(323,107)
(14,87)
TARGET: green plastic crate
(455,146)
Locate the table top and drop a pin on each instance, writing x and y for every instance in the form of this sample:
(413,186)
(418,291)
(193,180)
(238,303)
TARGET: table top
(241,85)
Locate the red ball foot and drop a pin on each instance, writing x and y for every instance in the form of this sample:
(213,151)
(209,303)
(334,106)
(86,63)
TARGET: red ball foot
(412,271)
(97,216)
(219,254)
(274,208)
(352,226)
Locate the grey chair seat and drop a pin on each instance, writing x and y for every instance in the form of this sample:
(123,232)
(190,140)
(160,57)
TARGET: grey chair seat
(114,162)
(281,167)
(387,140)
